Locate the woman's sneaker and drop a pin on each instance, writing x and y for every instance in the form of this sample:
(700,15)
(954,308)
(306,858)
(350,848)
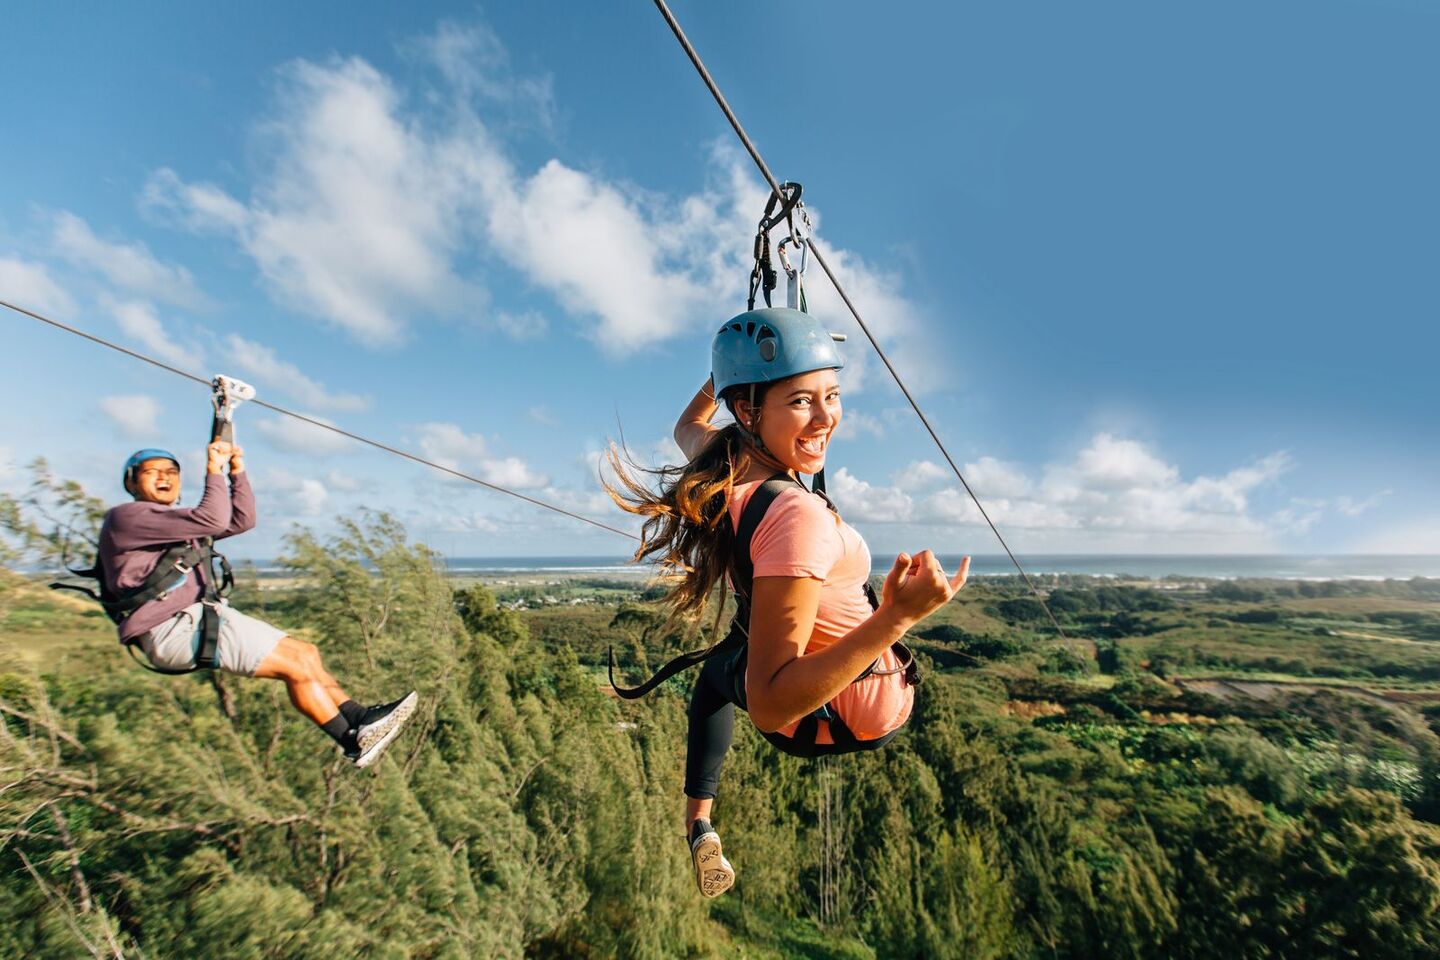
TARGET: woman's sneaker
(713,873)
(379,726)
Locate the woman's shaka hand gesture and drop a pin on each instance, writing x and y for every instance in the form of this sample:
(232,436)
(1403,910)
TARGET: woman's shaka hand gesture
(917,586)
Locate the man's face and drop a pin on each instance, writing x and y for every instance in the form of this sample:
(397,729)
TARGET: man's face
(157,481)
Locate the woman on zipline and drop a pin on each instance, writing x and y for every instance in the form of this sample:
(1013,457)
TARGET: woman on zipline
(822,670)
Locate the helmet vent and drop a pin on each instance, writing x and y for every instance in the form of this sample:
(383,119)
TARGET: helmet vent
(750,329)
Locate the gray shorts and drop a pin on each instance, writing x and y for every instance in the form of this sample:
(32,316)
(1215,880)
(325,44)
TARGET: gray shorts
(244,641)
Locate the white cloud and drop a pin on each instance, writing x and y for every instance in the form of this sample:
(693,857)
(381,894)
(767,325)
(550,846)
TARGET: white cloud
(128,266)
(345,482)
(139,319)
(854,424)
(859,500)
(374,206)
(1115,493)
(293,495)
(990,477)
(452,447)
(530,325)
(200,207)
(592,247)
(28,284)
(1351,507)
(1110,463)
(261,364)
(361,212)
(137,416)
(920,475)
(542,416)
(297,436)
(475,62)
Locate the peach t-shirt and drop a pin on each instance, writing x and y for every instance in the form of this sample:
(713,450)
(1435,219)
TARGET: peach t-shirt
(801,537)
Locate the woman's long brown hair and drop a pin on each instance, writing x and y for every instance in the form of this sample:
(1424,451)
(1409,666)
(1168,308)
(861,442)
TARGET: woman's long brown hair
(686,531)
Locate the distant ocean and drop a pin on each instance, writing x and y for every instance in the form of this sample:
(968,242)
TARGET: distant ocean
(1333,567)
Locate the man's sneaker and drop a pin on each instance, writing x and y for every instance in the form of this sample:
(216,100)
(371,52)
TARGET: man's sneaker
(713,873)
(380,721)
(363,758)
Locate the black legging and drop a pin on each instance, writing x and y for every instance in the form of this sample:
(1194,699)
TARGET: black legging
(712,727)
(718,691)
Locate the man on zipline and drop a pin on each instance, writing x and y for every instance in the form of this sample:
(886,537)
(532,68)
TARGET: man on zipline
(181,620)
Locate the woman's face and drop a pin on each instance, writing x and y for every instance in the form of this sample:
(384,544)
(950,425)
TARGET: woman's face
(798,417)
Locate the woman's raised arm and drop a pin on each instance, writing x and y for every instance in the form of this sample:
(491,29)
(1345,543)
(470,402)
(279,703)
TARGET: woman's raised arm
(693,430)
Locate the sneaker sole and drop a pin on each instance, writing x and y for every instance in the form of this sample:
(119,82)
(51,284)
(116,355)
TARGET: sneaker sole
(369,756)
(713,872)
(394,720)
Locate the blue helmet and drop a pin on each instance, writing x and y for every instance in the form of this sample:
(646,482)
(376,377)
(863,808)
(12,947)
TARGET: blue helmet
(761,346)
(140,456)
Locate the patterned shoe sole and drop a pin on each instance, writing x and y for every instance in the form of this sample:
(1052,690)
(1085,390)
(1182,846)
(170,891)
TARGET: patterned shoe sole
(392,721)
(713,872)
(370,756)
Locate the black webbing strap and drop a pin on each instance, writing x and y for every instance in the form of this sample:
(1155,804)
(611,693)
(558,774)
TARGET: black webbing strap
(207,656)
(750,519)
(170,572)
(742,565)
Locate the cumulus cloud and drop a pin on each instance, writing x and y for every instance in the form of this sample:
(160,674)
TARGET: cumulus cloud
(920,475)
(139,319)
(860,500)
(264,366)
(297,436)
(294,495)
(28,284)
(1115,491)
(855,424)
(450,446)
(374,205)
(136,416)
(127,266)
(360,214)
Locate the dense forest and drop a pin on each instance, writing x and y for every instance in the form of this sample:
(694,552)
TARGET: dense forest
(1215,770)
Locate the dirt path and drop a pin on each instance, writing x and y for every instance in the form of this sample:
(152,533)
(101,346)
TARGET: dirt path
(1226,688)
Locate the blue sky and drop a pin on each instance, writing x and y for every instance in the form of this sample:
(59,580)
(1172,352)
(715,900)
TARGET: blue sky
(1162,275)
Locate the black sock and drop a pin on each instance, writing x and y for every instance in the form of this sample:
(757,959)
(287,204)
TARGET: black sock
(337,726)
(699,828)
(352,712)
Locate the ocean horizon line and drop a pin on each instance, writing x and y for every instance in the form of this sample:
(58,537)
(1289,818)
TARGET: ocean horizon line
(1351,566)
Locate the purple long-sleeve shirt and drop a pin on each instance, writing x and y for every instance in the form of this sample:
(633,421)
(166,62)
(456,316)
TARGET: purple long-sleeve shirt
(134,535)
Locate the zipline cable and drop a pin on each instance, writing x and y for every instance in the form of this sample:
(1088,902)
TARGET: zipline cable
(319,423)
(834,281)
